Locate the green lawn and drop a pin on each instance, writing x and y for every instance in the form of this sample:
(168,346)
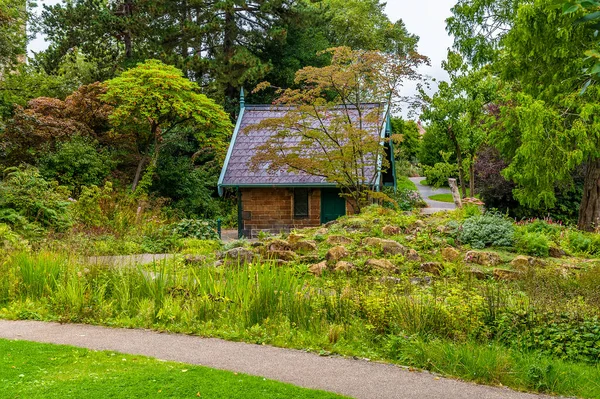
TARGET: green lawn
(32,370)
(442,197)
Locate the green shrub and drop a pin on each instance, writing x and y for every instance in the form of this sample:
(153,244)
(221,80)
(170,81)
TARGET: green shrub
(88,208)
(405,199)
(77,163)
(196,228)
(490,229)
(438,175)
(535,244)
(584,243)
(29,203)
(9,240)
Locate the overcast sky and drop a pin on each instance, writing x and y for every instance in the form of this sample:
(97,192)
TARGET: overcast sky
(425,18)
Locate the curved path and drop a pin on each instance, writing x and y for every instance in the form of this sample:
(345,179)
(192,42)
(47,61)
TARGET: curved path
(355,378)
(427,191)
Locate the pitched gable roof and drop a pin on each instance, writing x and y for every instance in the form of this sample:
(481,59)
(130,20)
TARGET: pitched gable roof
(244,143)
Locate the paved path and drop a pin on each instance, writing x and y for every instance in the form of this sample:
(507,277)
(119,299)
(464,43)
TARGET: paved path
(427,191)
(355,378)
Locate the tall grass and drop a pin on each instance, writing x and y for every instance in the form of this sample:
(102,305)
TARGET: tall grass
(445,327)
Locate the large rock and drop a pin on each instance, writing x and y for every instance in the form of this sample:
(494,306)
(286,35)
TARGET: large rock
(478,274)
(343,266)
(450,254)
(279,245)
(282,255)
(483,258)
(522,263)
(239,255)
(311,258)
(194,260)
(339,240)
(293,238)
(304,246)
(391,230)
(434,268)
(412,255)
(337,253)
(381,264)
(506,275)
(556,252)
(318,268)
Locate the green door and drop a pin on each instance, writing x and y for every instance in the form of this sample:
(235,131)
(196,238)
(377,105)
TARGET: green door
(332,205)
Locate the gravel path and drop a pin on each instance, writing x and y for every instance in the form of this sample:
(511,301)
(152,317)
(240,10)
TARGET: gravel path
(355,378)
(427,191)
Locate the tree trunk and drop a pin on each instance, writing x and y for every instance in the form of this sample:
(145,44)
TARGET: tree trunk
(589,211)
(138,173)
(229,37)
(461,172)
(472,180)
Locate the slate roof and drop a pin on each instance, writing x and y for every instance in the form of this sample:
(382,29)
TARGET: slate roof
(236,170)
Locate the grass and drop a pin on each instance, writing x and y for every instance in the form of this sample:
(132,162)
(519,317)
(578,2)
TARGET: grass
(403,182)
(33,370)
(442,197)
(489,331)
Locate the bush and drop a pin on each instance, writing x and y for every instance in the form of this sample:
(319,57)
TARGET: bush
(490,229)
(9,240)
(77,163)
(88,208)
(406,199)
(195,228)
(28,202)
(534,244)
(439,174)
(584,243)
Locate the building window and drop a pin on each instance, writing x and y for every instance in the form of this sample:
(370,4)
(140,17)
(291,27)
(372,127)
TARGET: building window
(300,203)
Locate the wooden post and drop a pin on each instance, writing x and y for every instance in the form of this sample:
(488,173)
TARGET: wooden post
(455,192)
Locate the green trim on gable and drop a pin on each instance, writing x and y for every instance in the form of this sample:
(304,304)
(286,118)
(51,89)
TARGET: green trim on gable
(230,151)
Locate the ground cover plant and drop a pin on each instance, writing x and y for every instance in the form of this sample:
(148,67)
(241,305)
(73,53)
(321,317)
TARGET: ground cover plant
(33,370)
(384,285)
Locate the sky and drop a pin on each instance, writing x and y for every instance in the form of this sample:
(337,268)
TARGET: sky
(425,18)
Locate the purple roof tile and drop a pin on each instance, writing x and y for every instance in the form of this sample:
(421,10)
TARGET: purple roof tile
(237,167)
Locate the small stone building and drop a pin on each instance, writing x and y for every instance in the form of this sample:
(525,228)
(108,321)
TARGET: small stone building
(278,202)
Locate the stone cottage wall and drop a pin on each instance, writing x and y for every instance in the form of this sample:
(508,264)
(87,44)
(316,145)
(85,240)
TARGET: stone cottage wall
(272,210)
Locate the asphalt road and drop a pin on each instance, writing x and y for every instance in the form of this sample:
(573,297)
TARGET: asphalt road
(355,378)
(427,191)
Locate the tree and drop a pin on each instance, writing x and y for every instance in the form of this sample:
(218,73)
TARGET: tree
(151,100)
(45,122)
(13,39)
(330,132)
(410,138)
(457,112)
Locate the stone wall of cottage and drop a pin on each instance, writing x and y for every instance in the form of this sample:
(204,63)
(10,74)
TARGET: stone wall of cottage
(272,210)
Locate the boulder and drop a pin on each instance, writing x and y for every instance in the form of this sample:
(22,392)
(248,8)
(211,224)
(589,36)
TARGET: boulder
(391,230)
(318,268)
(339,240)
(239,255)
(381,264)
(478,274)
(279,262)
(506,275)
(194,260)
(336,253)
(363,253)
(556,252)
(322,231)
(420,280)
(521,262)
(343,266)
(293,238)
(390,280)
(419,223)
(282,255)
(218,263)
(450,254)
(304,246)
(483,258)
(412,255)
(391,247)
(434,268)
(279,245)
(331,223)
